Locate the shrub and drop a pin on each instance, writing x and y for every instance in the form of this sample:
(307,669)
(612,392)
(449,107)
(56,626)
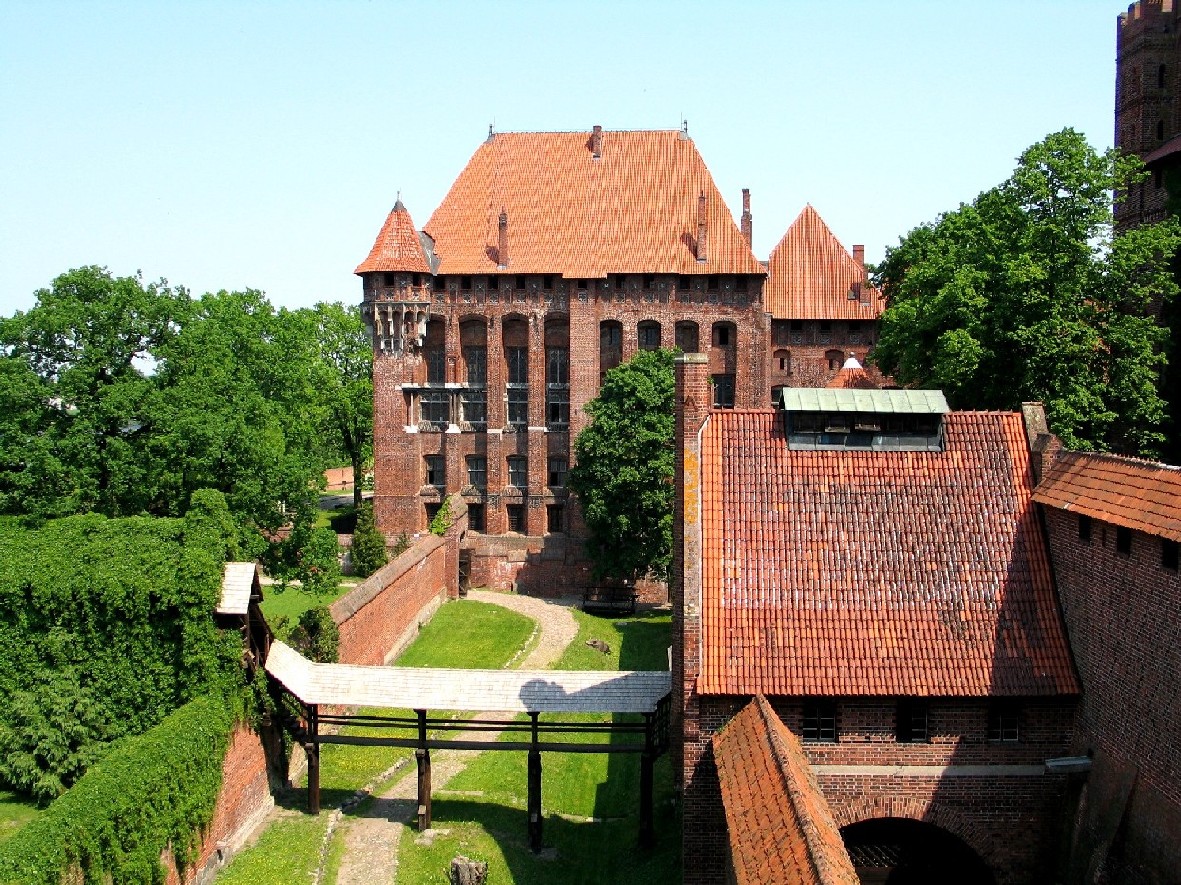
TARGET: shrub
(368,551)
(153,791)
(319,562)
(316,636)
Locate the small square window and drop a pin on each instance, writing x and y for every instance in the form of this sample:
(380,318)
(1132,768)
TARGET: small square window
(557,472)
(1123,540)
(475,517)
(436,471)
(1168,554)
(440,284)
(518,471)
(683,284)
(723,391)
(711,283)
(477,471)
(555,518)
(582,285)
(1004,723)
(516,518)
(493,284)
(1084,527)
(391,279)
(820,721)
(741,284)
(547,283)
(465,283)
(797,325)
(432,510)
(910,725)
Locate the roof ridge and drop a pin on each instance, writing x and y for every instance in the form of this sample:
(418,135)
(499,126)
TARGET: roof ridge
(1121,459)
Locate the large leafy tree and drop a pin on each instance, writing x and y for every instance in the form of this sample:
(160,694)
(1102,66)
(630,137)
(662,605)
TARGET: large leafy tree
(342,363)
(1025,294)
(623,474)
(87,342)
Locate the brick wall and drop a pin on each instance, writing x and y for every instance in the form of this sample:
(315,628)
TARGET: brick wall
(381,616)
(1010,816)
(243,803)
(1121,613)
(568,313)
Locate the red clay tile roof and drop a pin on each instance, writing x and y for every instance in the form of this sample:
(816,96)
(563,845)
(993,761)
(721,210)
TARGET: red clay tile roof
(781,829)
(1140,495)
(397,246)
(633,210)
(809,275)
(875,573)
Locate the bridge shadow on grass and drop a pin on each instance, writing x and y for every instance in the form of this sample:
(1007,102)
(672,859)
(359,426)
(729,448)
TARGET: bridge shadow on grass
(576,852)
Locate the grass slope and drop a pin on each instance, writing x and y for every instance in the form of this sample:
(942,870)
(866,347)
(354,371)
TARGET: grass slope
(15,812)
(591,802)
(463,633)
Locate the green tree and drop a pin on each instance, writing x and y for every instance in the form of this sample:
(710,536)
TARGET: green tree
(342,362)
(623,474)
(88,341)
(368,550)
(1025,294)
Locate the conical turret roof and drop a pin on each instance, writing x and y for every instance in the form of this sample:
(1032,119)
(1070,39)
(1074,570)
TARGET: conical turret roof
(397,247)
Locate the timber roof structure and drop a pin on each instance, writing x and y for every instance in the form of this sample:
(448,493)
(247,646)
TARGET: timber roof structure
(875,573)
(512,691)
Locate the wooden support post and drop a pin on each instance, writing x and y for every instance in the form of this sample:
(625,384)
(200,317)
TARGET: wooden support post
(312,748)
(534,801)
(647,761)
(423,757)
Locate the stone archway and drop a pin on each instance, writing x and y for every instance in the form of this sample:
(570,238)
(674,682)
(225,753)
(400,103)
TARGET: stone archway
(935,814)
(905,851)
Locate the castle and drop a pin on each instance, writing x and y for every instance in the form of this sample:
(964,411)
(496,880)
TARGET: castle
(555,257)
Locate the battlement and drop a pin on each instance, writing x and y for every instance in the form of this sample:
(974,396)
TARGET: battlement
(1143,16)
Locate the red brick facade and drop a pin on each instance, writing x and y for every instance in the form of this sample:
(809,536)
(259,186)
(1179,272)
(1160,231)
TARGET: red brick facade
(1147,112)
(492,331)
(1121,611)
(243,803)
(381,616)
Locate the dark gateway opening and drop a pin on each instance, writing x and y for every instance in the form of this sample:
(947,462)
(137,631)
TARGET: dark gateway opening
(899,851)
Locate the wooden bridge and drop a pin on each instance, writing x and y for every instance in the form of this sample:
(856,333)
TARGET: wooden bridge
(338,687)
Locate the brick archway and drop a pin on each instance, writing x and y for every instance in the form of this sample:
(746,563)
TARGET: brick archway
(869,807)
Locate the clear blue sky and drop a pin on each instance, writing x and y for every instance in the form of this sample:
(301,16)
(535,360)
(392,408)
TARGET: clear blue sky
(226,145)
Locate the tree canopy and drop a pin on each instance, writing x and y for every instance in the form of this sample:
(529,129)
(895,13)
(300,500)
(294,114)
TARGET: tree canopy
(1026,294)
(124,398)
(623,474)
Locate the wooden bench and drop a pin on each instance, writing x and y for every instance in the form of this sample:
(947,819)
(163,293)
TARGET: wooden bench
(617,600)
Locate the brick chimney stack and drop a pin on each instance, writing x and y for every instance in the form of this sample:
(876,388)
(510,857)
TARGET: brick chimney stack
(502,241)
(693,399)
(859,256)
(597,142)
(702,230)
(747,218)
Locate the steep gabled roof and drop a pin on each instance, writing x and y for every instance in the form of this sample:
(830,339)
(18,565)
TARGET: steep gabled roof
(875,573)
(631,210)
(1140,495)
(397,247)
(809,275)
(781,829)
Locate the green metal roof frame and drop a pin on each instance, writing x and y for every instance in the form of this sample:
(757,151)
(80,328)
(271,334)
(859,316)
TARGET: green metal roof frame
(899,402)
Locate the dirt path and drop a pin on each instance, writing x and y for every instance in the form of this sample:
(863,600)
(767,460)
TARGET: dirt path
(371,838)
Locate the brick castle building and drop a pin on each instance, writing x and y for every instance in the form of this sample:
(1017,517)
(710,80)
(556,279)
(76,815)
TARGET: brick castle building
(1148,103)
(554,257)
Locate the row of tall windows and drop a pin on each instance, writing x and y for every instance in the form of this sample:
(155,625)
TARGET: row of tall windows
(555,517)
(477,471)
(820,723)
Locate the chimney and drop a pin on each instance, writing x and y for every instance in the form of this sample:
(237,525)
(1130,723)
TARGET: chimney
(693,399)
(859,256)
(702,231)
(597,142)
(502,241)
(747,231)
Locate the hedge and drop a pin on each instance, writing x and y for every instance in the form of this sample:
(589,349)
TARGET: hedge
(151,792)
(106,627)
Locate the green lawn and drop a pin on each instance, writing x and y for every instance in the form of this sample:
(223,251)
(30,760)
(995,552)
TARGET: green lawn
(291,602)
(15,812)
(463,633)
(591,802)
